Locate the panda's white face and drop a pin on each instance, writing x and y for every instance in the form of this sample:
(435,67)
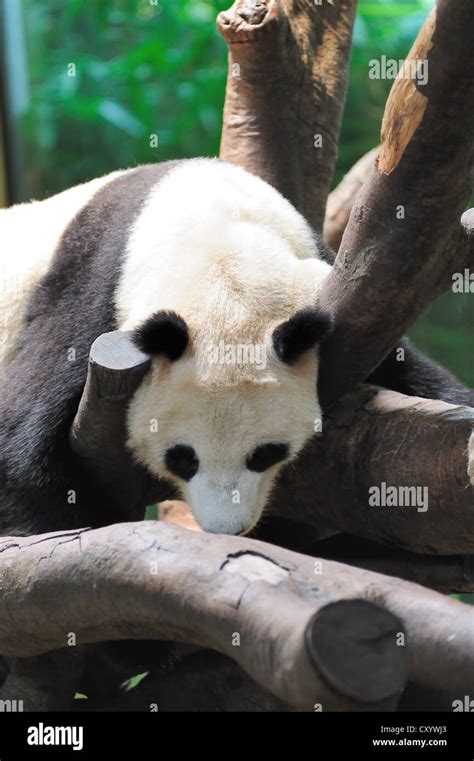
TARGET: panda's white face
(218,258)
(221,435)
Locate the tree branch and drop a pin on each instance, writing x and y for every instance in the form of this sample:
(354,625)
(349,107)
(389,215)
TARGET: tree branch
(98,434)
(373,438)
(404,238)
(341,199)
(286,85)
(308,632)
(445,573)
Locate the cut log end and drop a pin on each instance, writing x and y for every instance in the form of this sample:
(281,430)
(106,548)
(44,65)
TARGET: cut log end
(116,351)
(246,20)
(354,645)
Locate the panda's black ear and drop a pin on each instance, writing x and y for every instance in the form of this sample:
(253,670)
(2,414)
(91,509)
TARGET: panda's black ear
(300,333)
(165,334)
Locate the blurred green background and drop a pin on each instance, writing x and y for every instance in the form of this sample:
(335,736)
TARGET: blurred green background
(146,68)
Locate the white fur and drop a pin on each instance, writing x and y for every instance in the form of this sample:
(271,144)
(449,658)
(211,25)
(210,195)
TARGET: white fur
(234,259)
(29,234)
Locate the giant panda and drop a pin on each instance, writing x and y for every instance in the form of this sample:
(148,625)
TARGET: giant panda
(200,260)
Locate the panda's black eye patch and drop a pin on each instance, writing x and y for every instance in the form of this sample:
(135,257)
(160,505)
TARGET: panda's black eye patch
(182,461)
(266,455)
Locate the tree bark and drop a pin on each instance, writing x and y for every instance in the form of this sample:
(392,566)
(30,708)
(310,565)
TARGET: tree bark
(286,86)
(309,631)
(247,601)
(375,437)
(98,434)
(445,573)
(342,198)
(404,238)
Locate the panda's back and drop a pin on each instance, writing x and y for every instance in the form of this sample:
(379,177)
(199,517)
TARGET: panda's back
(30,233)
(191,235)
(213,242)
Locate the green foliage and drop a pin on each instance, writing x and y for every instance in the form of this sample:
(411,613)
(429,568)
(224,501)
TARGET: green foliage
(383,27)
(151,513)
(134,681)
(141,69)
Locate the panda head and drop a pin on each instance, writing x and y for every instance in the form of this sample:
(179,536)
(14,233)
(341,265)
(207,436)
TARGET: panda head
(222,430)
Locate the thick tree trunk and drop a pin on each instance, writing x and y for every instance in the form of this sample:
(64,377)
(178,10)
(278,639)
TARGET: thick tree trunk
(288,66)
(404,239)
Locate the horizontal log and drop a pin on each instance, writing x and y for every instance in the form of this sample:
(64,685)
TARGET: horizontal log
(445,573)
(376,439)
(309,631)
(132,581)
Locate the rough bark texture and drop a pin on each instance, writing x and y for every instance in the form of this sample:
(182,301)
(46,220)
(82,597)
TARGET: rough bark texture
(341,199)
(288,64)
(309,631)
(375,437)
(404,238)
(98,434)
(132,581)
(445,573)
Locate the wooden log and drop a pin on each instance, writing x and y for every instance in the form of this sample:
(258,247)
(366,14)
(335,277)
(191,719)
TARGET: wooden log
(445,573)
(304,626)
(246,601)
(286,85)
(404,238)
(98,434)
(342,198)
(375,439)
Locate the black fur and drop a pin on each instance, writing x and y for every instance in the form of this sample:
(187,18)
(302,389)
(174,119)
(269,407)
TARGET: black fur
(300,333)
(165,334)
(182,460)
(42,483)
(413,374)
(266,455)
